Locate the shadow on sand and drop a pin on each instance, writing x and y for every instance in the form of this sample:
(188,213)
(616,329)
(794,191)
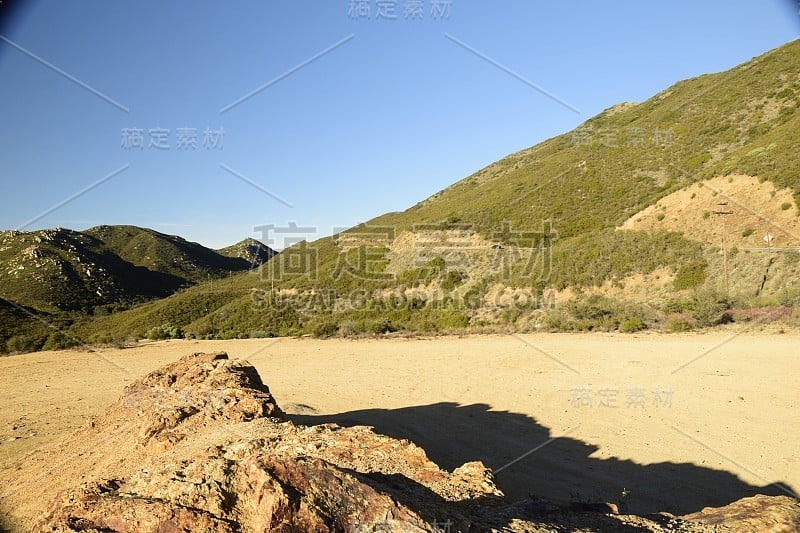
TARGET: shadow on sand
(560,470)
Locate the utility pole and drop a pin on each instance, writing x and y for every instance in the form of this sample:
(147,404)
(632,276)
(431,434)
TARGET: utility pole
(722,210)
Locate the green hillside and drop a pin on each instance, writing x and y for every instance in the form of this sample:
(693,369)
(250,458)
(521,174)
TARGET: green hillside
(167,254)
(743,120)
(65,270)
(63,276)
(20,329)
(500,246)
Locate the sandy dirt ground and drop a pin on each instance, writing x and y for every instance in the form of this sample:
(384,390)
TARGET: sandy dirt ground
(654,422)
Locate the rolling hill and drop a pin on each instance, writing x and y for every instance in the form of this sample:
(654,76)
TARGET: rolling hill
(61,275)
(172,255)
(629,221)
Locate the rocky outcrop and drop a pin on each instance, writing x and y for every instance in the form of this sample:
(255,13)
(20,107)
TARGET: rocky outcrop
(201,445)
(766,514)
(251,250)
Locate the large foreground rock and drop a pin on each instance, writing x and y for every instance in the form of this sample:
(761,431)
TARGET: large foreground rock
(201,445)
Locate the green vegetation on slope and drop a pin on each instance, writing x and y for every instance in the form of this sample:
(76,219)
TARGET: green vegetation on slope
(62,276)
(167,254)
(741,121)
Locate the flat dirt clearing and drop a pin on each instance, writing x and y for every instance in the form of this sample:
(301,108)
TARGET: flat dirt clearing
(586,417)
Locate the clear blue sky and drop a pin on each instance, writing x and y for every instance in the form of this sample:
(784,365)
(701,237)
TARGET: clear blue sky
(397,111)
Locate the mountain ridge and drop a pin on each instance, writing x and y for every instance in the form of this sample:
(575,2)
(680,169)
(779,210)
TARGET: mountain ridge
(61,275)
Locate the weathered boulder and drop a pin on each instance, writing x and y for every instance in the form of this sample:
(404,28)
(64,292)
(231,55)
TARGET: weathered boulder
(767,514)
